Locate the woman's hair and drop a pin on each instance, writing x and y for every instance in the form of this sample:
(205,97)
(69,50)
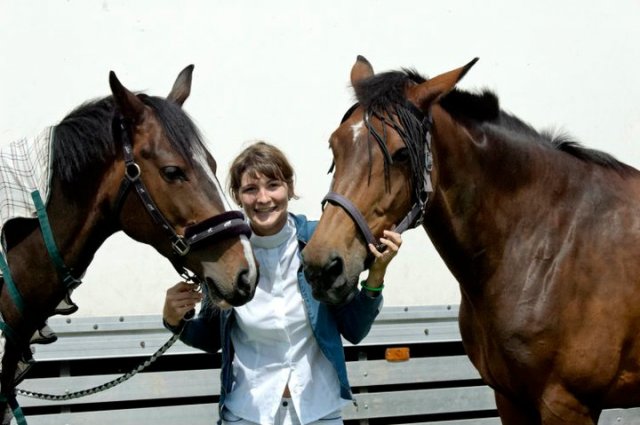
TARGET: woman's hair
(261,158)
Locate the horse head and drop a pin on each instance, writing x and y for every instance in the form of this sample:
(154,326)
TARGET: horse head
(180,209)
(382,173)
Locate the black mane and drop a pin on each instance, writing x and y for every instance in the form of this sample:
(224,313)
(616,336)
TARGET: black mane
(84,142)
(383,92)
(484,107)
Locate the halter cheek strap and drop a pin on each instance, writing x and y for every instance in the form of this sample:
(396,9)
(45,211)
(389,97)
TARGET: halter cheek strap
(132,178)
(225,225)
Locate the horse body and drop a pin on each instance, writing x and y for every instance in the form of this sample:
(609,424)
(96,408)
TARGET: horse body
(134,163)
(546,265)
(540,233)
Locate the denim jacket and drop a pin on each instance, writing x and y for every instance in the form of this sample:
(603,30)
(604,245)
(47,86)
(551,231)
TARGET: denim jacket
(211,329)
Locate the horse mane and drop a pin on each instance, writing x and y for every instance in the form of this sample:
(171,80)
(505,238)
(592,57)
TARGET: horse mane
(382,92)
(484,107)
(84,141)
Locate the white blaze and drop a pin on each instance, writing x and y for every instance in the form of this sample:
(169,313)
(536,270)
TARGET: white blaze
(201,158)
(356,129)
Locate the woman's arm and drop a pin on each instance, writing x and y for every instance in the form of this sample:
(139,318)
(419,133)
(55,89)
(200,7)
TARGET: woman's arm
(201,332)
(356,317)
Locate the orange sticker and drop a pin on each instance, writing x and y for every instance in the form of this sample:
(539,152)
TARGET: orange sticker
(397,354)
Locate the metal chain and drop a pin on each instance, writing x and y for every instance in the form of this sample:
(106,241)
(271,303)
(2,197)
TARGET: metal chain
(69,396)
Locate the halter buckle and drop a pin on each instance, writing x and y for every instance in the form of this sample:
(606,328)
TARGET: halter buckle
(180,246)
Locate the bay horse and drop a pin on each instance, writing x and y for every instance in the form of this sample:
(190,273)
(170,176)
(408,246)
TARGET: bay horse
(130,162)
(540,232)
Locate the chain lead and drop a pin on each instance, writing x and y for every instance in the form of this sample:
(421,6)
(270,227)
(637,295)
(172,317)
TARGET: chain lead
(70,396)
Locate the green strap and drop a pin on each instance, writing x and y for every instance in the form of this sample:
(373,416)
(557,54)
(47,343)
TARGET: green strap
(8,332)
(15,407)
(11,286)
(68,280)
(47,234)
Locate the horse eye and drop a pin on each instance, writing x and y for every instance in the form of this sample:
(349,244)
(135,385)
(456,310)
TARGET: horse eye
(401,155)
(172,174)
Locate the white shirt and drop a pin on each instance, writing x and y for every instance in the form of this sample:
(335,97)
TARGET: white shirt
(274,343)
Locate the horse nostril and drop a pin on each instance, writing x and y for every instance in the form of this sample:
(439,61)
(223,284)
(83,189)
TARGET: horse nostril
(332,271)
(323,276)
(243,289)
(334,267)
(311,274)
(243,282)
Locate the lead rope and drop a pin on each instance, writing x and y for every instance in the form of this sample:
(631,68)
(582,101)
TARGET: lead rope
(70,396)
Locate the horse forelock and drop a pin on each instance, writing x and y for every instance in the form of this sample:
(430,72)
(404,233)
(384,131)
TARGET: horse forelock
(382,92)
(179,128)
(384,95)
(84,140)
(186,139)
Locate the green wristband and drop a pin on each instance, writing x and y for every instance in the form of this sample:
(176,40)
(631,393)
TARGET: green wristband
(378,289)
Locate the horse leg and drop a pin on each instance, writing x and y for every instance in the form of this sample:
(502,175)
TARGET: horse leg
(512,413)
(16,361)
(7,386)
(559,406)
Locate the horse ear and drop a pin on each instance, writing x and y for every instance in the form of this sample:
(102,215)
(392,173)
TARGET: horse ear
(182,87)
(128,103)
(433,89)
(361,69)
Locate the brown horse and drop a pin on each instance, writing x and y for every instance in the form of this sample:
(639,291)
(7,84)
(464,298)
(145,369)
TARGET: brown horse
(540,232)
(128,162)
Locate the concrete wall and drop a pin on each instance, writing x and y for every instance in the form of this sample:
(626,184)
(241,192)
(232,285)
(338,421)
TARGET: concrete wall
(279,71)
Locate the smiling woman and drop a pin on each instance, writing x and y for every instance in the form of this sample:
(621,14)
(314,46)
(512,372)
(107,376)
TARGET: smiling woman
(261,181)
(284,324)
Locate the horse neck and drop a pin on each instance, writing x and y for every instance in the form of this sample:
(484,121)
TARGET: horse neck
(79,226)
(78,231)
(477,199)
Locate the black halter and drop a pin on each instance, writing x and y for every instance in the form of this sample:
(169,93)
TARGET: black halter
(225,225)
(422,188)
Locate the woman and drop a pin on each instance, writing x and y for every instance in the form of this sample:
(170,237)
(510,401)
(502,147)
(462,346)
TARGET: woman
(282,355)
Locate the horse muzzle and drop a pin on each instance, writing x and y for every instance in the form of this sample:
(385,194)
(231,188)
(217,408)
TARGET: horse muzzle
(329,281)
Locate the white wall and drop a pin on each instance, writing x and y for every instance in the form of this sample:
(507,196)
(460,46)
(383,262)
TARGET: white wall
(279,71)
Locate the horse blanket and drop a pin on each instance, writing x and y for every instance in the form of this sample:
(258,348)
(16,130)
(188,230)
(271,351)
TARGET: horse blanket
(25,166)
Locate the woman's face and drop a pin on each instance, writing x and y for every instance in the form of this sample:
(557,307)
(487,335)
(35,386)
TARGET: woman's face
(265,203)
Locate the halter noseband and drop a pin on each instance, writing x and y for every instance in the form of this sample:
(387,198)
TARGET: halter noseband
(421,195)
(222,226)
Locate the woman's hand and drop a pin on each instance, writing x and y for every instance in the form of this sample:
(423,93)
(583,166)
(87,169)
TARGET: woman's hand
(393,241)
(181,298)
